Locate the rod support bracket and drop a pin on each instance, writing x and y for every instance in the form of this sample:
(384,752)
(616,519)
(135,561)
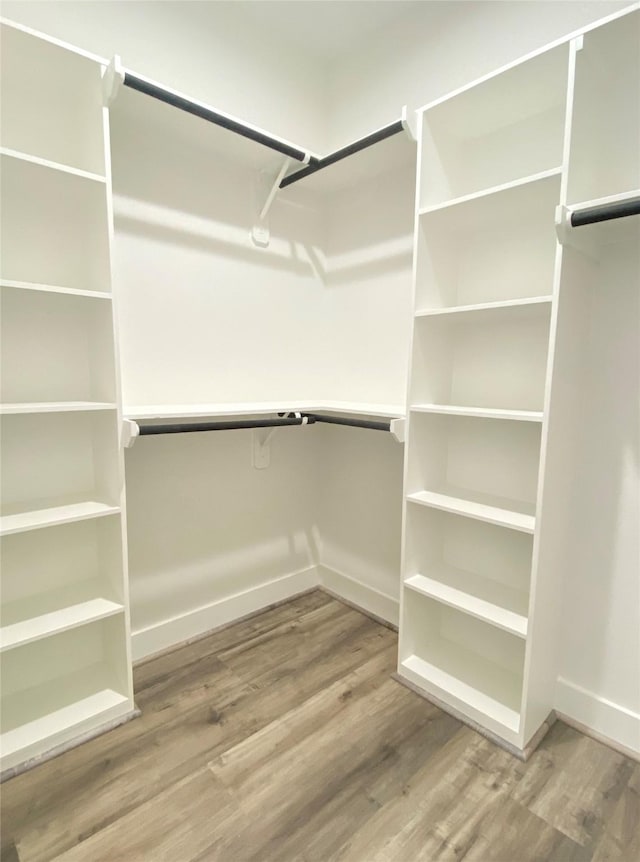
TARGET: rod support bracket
(409,120)
(397,428)
(112,80)
(130,433)
(563,224)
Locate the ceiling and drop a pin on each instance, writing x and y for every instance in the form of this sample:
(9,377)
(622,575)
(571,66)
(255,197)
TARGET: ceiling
(322,28)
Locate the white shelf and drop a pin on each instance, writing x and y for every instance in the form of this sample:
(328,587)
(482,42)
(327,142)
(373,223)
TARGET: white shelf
(487,309)
(60,708)
(54,166)
(55,407)
(251,408)
(479,412)
(52,514)
(493,510)
(496,202)
(480,597)
(445,677)
(52,288)
(55,225)
(27,629)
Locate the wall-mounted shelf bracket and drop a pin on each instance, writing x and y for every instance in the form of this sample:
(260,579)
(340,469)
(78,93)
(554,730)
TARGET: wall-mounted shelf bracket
(261,441)
(112,80)
(409,120)
(260,231)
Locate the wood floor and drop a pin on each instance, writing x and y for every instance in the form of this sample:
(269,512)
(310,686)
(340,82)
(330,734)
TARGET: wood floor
(284,738)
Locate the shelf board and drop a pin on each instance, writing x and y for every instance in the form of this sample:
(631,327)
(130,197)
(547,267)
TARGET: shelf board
(499,202)
(49,165)
(252,408)
(41,625)
(488,309)
(66,704)
(479,412)
(9,409)
(493,510)
(446,676)
(53,513)
(53,288)
(473,594)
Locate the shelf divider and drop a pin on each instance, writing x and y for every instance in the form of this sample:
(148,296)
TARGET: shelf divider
(53,288)
(53,515)
(492,514)
(479,412)
(461,598)
(61,620)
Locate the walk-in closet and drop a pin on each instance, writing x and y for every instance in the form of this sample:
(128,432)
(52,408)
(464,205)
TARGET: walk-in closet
(320,430)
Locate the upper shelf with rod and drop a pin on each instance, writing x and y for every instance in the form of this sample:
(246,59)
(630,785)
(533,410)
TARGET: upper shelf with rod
(128,93)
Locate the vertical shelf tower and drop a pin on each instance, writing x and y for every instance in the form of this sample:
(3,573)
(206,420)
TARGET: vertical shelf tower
(64,628)
(498,343)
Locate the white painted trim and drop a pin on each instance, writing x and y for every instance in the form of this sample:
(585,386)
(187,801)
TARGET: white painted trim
(350,589)
(612,723)
(172,632)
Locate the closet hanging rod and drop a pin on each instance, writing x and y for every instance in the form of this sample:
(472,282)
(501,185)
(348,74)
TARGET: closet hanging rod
(605,212)
(231,425)
(371,424)
(142,85)
(349,150)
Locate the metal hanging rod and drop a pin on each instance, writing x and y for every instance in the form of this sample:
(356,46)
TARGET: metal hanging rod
(131,429)
(117,75)
(605,212)
(349,150)
(372,424)
(231,425)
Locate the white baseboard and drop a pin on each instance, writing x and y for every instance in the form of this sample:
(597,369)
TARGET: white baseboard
(177,630)
(607,721)
(363,596)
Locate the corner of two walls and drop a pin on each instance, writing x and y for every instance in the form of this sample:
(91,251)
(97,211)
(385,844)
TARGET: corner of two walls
(204,316)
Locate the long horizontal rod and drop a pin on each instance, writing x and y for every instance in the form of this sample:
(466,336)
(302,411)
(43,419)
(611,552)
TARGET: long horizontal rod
(349,150)
(231,425)
(606,212)
(371,424)
(149,89)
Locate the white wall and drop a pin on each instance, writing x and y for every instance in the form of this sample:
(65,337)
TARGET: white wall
(210,537)
(205,315)
(359,517)
(436,47)
(368,304)
(599,681)
(208,50)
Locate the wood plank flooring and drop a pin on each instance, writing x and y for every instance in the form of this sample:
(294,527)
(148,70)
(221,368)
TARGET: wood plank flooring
(283,737)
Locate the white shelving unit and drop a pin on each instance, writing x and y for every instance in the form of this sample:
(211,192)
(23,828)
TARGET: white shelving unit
(64,626)
(497,385)
(488,182)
